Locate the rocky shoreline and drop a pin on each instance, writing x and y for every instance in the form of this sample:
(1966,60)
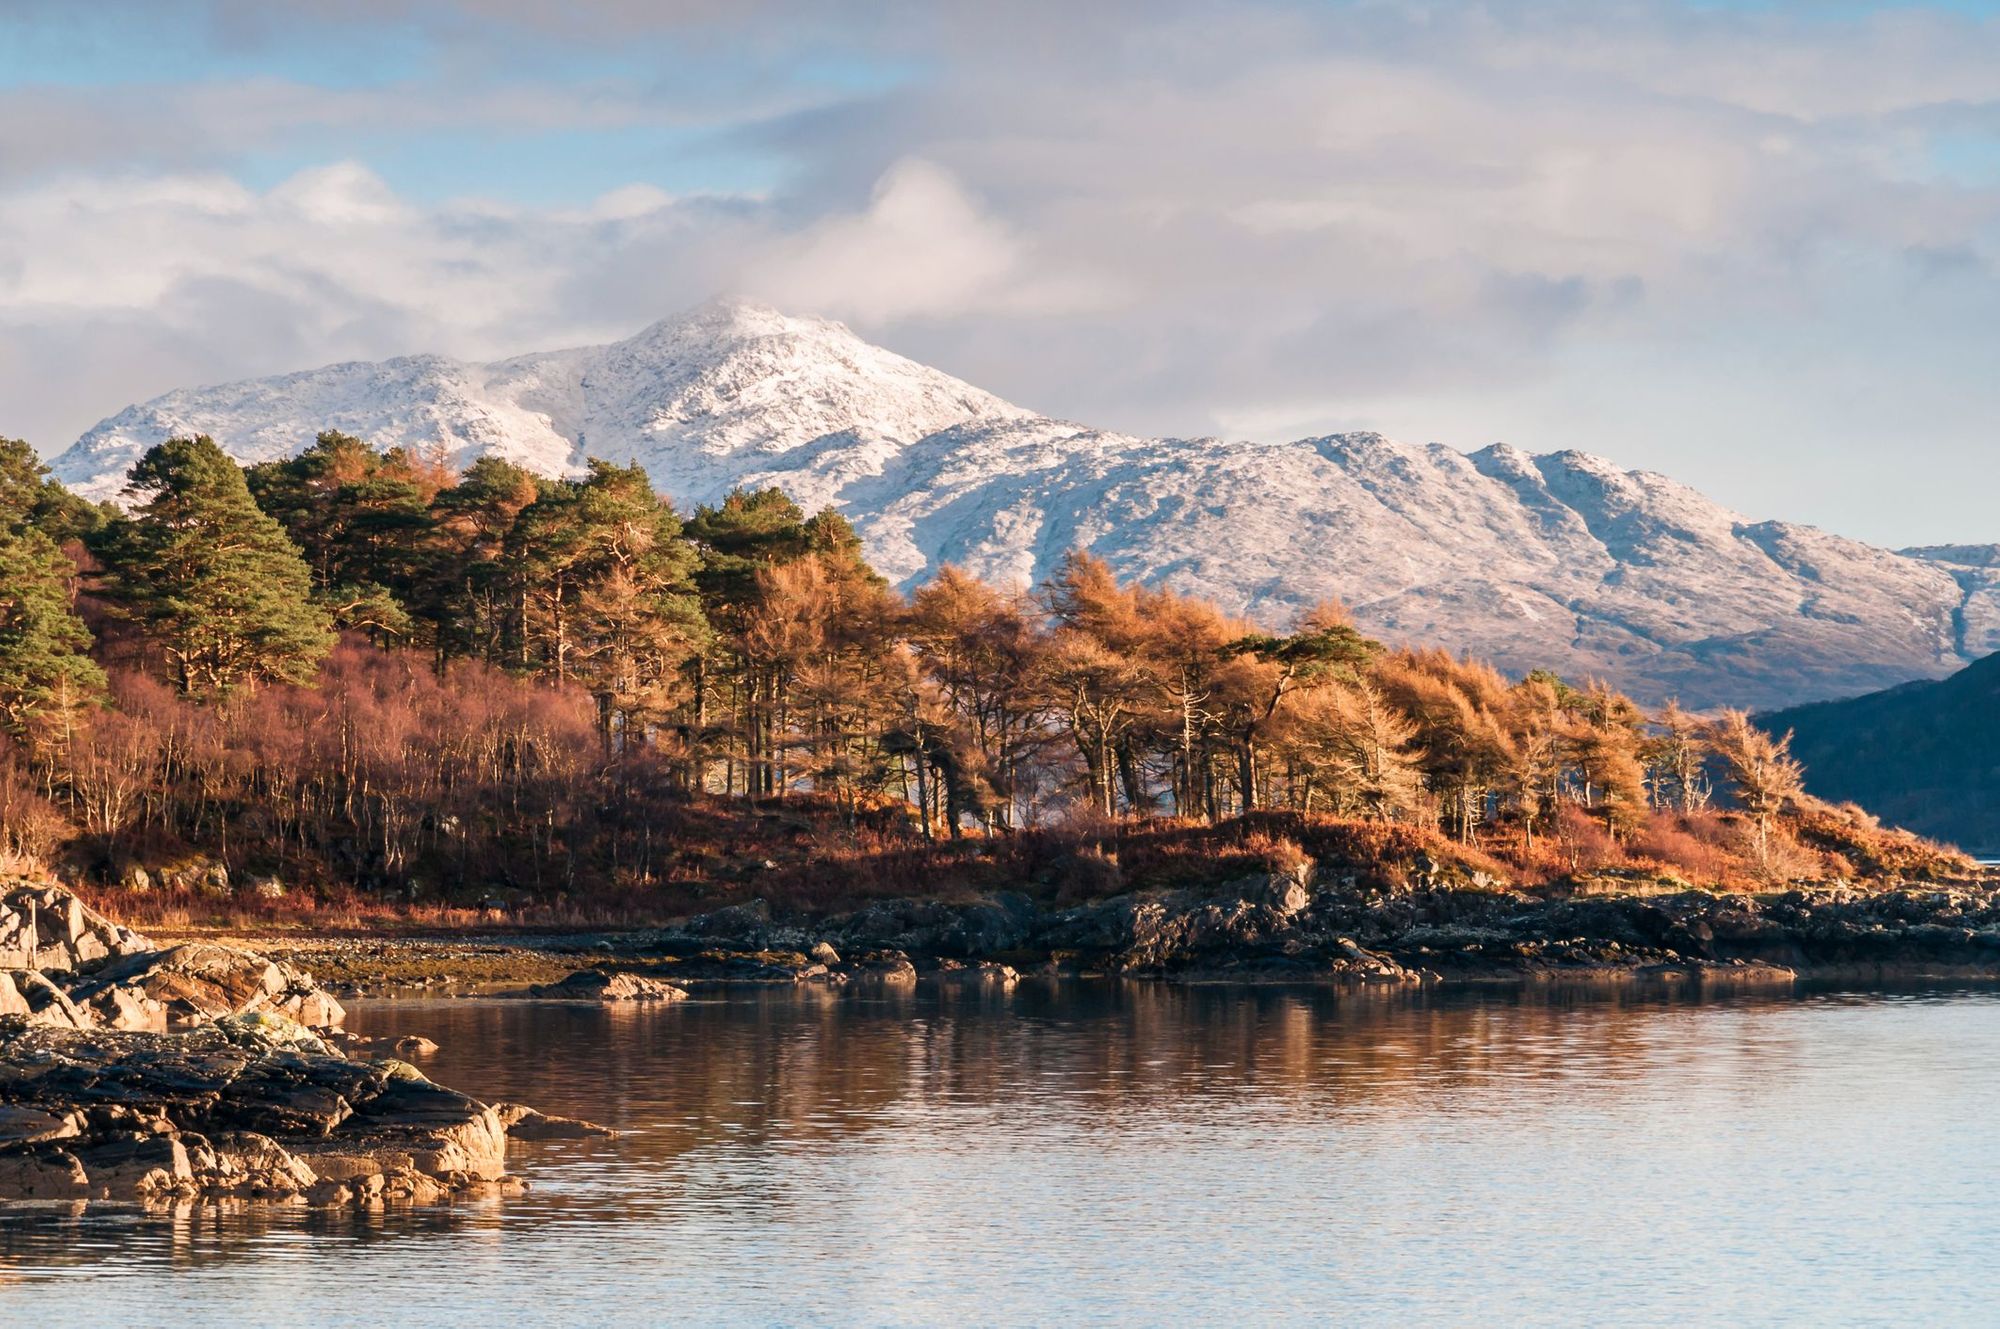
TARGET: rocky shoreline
(142,1073)
(1280,928)
(229,1111)
(1275,928)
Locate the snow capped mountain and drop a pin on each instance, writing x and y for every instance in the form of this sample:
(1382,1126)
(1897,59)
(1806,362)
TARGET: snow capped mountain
(696,399)
(1562,560)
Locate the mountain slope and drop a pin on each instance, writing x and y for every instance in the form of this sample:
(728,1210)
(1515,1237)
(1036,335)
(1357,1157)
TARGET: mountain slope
(1923,755)
(696,399)
(1562,560)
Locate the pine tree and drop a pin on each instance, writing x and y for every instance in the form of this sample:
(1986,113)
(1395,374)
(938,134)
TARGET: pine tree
(747,531)
(475,601)
(46,673)
(363,521)
(218,587)
(608,595)
(29,497)
(1264,669)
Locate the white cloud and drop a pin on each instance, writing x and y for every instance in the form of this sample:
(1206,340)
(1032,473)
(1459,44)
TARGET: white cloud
(922,248)
(1451,221)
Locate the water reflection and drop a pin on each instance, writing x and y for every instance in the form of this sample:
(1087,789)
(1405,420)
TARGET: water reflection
(1137,1153)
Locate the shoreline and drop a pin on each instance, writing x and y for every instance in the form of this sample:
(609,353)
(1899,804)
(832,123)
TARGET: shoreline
(1259,932)
(132,1071)
(217,1067)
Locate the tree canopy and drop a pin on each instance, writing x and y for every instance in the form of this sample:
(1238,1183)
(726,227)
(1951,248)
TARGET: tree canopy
(222,591)
(531,664)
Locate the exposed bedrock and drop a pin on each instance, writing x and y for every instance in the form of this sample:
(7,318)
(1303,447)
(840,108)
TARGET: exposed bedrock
(65,965)
(237,1108)
(1284,926)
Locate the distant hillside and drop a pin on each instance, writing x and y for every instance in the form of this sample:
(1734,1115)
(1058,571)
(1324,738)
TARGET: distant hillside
(1923,755)
(1564,560)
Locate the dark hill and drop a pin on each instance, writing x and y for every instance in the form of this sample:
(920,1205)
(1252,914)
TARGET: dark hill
(1922,755)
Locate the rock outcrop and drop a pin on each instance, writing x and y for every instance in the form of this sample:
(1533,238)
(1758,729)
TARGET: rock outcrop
(524,1123)
(45,927)
(66,966)
(202,981)
(245,1100)
(35,998)
(1448,930)
(238,1108)
(597,985)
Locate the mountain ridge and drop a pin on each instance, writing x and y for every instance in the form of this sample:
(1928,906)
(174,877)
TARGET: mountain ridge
(1525,558)
(1919,755)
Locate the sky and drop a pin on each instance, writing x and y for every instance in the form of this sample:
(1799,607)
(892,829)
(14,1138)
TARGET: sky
(1750,245)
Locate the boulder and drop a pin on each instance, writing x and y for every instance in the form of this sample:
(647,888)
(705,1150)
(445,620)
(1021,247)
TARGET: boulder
(979,973)
(1353,962)
(27,1125)
(34,997)
(524,1123)
(597,985)
(53,1174)
(201,981)
(1288,892)
(46,927)
(249,1165)
(1000,922)
(415,1045)
(124,1007)
(892,967)
(1177,929)
(146,1167)
(744,926)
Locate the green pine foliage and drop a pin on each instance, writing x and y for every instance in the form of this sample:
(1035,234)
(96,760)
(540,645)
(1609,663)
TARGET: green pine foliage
(748,530)
(218,586)
(28,496)
(46,674)
(608,592)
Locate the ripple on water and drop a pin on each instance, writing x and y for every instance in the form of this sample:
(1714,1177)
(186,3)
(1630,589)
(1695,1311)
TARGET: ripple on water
(1138,1154)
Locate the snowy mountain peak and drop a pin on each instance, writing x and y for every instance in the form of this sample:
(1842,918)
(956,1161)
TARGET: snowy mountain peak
(1563,560)
(680,397)
(729,318)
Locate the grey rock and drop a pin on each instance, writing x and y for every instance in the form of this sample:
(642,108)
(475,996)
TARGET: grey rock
(524,1123)
(599,986)
(225,1111)
(46,927)
(201,981)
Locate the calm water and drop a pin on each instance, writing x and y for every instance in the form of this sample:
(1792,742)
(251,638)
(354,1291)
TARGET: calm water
(1141,1154)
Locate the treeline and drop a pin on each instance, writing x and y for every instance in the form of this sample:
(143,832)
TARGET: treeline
(356,665)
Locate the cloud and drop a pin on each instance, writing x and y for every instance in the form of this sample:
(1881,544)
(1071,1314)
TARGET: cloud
(922,248)
(1655,230)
